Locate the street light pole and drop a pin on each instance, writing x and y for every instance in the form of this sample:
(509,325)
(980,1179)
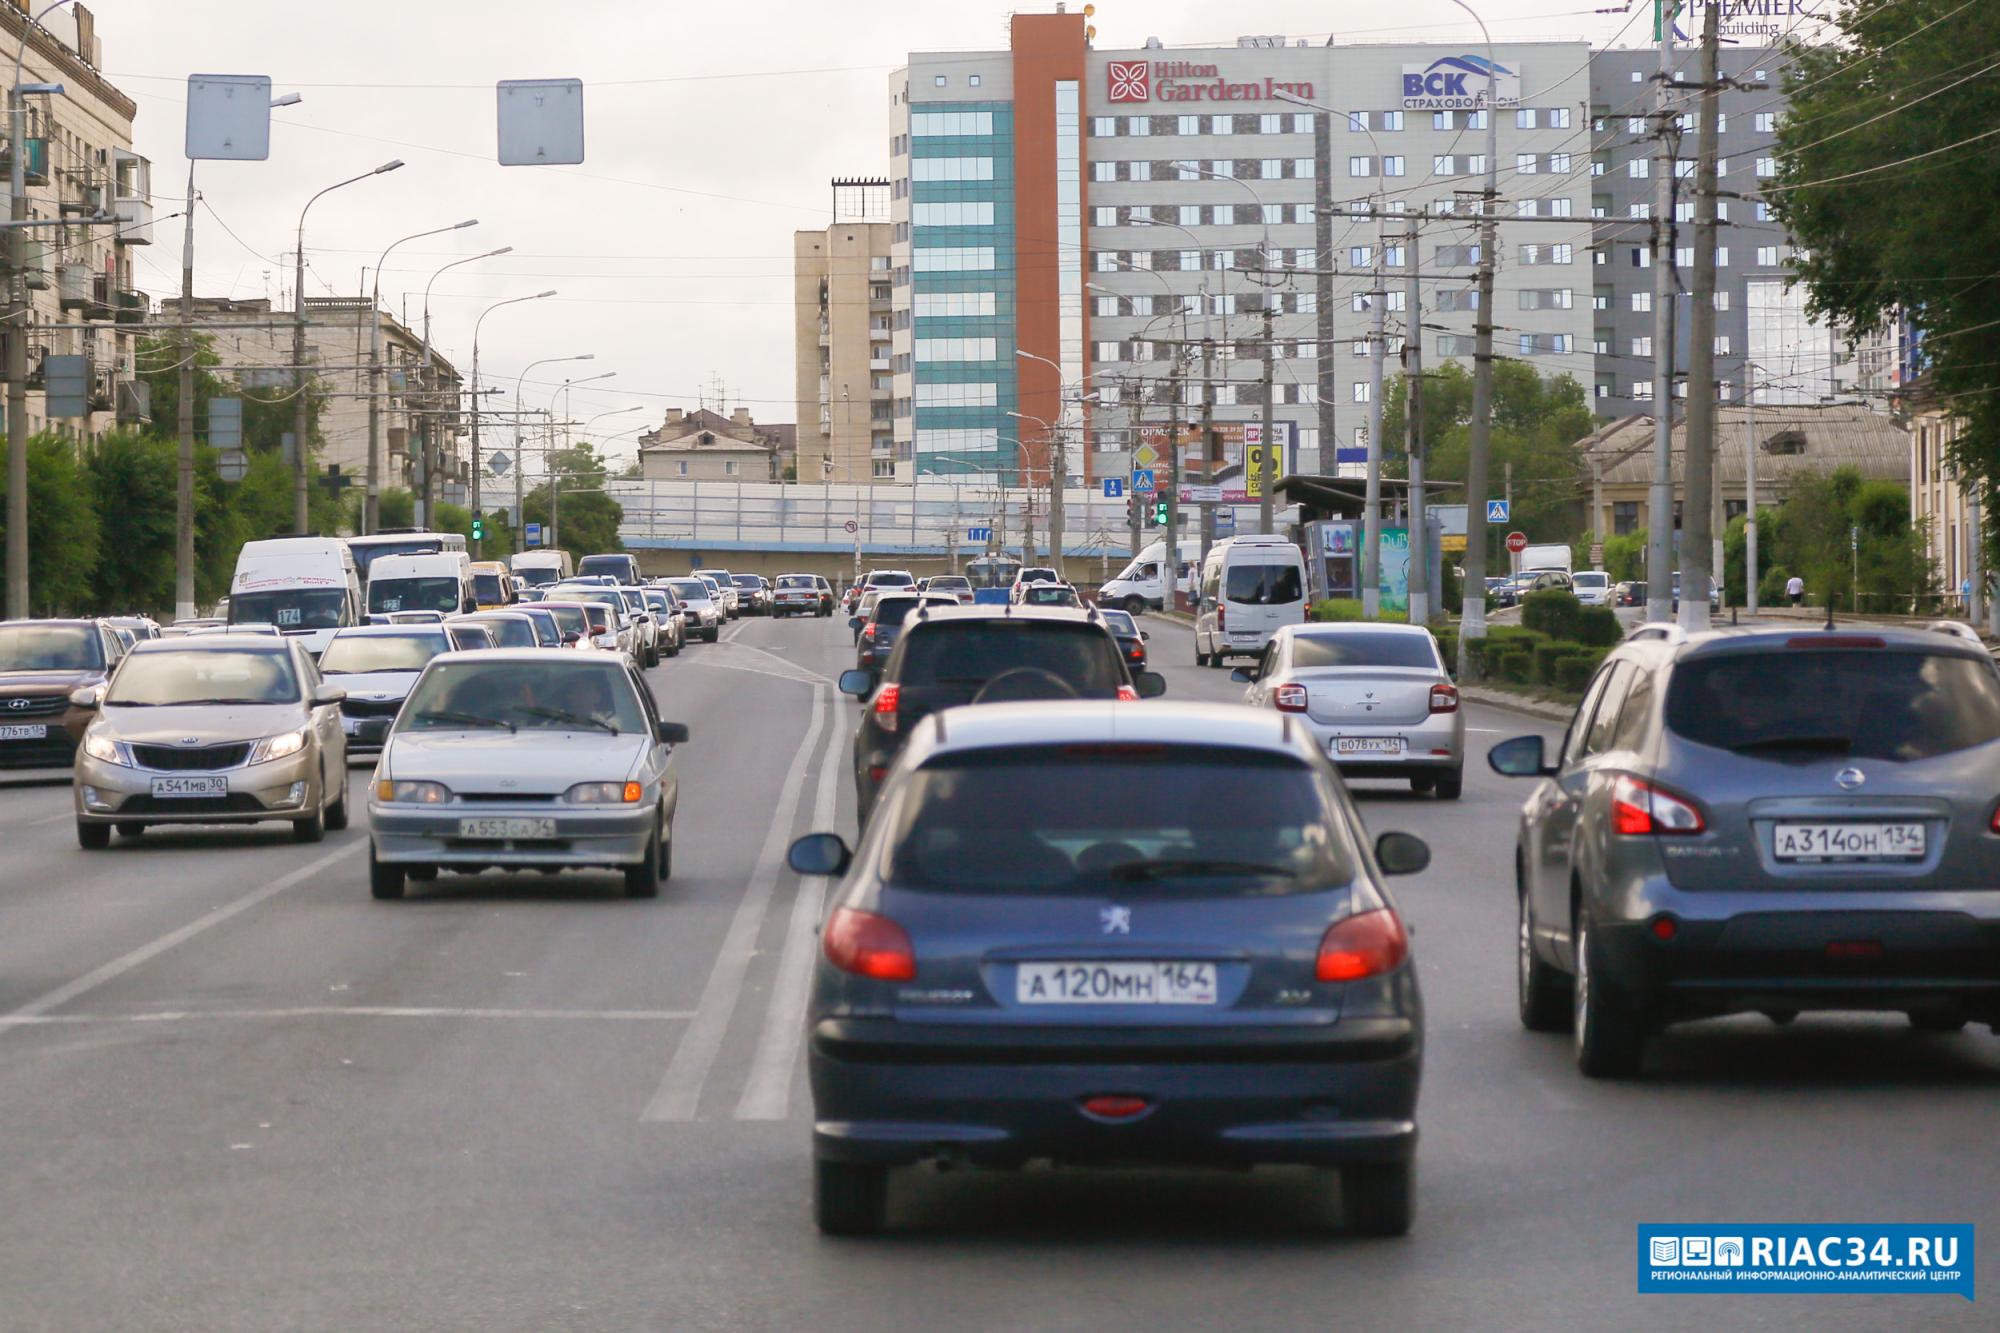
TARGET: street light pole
(520,415)
(477,466)
(372,502)
(302,462)
(424,468)
(1473,620)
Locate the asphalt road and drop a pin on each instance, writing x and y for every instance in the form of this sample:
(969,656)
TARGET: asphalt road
(237,1093)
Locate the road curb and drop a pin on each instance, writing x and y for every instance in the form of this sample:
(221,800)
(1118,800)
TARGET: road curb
(1536,708)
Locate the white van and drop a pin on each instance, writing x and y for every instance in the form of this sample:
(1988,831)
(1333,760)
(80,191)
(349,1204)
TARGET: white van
(1250,586)
(1140,585)
(306,586)
(538,569)
(438,582)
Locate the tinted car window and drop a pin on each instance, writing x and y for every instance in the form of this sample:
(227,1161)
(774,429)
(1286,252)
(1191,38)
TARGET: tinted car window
(511,633)
(1121,624)
(1812,703)
(1262,585)
(797,581)
(1049,594)
(488,588)
(1637,711)
(427,594)
(693,590)
(569,619)
(50,648)
(298,608)
(975,652)
(1072,827)
(1605,722)
(358,653)
(895,610)
(1362,650)
(747,582)
(559,696)
(891,581)
(199,676)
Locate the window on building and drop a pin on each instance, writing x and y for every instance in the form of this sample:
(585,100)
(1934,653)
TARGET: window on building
(1524,118)
(938,81)
(1642,302)
(1361,391)
(1635,124)
(1556,117)
(1559,165)
(1767,256)
(1639,168)
(1392,165)
(1767,167)
(1222,124)
(1624,516)
(1722,300)
(1767,122)
(1525,164)
(680,467)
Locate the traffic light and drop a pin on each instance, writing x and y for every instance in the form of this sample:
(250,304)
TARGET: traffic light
(478,527)
(1160,514)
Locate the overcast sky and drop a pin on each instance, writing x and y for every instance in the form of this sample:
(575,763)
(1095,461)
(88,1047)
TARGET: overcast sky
(712,131)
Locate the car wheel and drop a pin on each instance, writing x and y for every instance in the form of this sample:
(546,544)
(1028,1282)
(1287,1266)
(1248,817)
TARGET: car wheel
(131,829)
(1379,1198)
(1540,990)
(643,880)
(1135,605)
(667,855)
(1423,784)
(336,814)
(384,881)
(1943,1024)
(713,634)
(93,837)
(1450,784)
(1609,1038)
(310,829)
(849,1198)
(1200,657)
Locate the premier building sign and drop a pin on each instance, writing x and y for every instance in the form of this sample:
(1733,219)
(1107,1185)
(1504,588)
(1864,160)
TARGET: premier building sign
(1188,81)
(1458,83)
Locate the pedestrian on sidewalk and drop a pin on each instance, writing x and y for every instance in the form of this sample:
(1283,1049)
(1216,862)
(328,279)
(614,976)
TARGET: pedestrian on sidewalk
(1795,588)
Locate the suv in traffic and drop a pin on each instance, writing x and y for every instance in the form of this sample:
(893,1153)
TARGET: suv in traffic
(42,662)
(971,655)
(1764,822)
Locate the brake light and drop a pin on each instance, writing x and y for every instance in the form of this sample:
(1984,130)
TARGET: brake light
(1291,698)
(1221,616)
(1127,695)
(1444,698)
(869,945)
(1639,808)
(1835,641)
(868,631)
(884,707)
(1364,945)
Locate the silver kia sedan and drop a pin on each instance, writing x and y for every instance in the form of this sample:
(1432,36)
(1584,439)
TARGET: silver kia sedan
(518,759)
(1375,696)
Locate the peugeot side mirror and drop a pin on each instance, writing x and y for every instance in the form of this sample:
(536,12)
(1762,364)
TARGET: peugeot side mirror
(87,696)
(672,733)
(820,854)
(1519,757)
(857,682)
(1149,684)
(1402,854)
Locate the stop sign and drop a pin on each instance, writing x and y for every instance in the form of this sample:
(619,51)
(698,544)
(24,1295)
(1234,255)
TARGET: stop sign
(1517,542)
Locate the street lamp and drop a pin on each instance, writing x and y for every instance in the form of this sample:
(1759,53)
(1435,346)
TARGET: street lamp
(423,513)
(1058,458)
(549,416)
(556,476)
(371,504)
(512,300)
(520,416)
(302,462)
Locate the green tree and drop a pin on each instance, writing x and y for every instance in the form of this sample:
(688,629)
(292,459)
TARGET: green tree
(132,487)
(1831,528)
(588,517)
(1536,424)
(1886,177)
(63,530)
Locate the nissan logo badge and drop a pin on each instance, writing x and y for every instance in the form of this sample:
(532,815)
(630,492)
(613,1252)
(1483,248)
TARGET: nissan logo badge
(1849,778)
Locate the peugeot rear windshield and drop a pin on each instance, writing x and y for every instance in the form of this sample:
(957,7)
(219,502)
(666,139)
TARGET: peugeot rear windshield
(1072,827)
(1852,703)
(1083,657)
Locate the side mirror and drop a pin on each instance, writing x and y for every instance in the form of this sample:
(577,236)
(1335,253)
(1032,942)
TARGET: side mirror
(1402,854)
(1244,675)
(87,696)
(854,622)
(1520,757)
(672,733)
(820,854)
(1149,684)
(1145,636)
(857,682)
(570,637)
(324,694)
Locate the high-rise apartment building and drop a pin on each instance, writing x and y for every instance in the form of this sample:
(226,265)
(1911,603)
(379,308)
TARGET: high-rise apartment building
(842,313)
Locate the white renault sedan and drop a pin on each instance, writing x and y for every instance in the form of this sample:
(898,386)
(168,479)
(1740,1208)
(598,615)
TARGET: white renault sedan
(1376,697)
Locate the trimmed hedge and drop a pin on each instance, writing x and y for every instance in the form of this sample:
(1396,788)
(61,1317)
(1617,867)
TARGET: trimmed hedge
(1514,664)
(1338,609)
(1598,627)
(1555,613)
(1546,657)
(1573,670)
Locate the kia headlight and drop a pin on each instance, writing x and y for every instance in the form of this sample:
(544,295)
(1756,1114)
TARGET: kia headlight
(100,746)
(412,793)
(604,793)
(278,747)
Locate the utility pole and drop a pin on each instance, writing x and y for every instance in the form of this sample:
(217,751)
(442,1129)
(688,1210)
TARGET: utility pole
(1209,451)
(1472,623)
(1267,474)
(301,455)
(1699,462)
(1170,562)
(17,355)
(1660,500)
(1058,473)
(1132,513)
(1413,430)
(184,608)
(478,466)
(1371,539)
(1750,486)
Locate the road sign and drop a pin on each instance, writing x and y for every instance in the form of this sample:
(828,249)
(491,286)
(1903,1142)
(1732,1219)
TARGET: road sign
(1145,456)
(1452,544)
(1499,511)
(232,465)
(1597,555)
(498,462)
(1201,495)
(850,526)
(541,122)
(979,534)
(533,534)
(1142,481)
(1225,521)
(1517,542)
(1114,488)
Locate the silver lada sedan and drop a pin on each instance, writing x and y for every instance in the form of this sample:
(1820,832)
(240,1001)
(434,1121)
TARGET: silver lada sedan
(518,759)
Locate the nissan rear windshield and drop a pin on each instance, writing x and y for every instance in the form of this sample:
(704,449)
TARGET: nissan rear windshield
(1363,649)
(1083,657)
(1803,704)
(1071,825)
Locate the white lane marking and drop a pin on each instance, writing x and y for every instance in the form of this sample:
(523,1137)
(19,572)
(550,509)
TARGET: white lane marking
(794,676)
(353,1011)
(679,1095)
(145,953)
(768,1093)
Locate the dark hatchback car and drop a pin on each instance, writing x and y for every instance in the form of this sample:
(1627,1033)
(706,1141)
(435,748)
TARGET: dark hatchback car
(1131,639)
(1766,822)
(1025,963)
(1632,592)
(877,635)
(41,663)
(981,654)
